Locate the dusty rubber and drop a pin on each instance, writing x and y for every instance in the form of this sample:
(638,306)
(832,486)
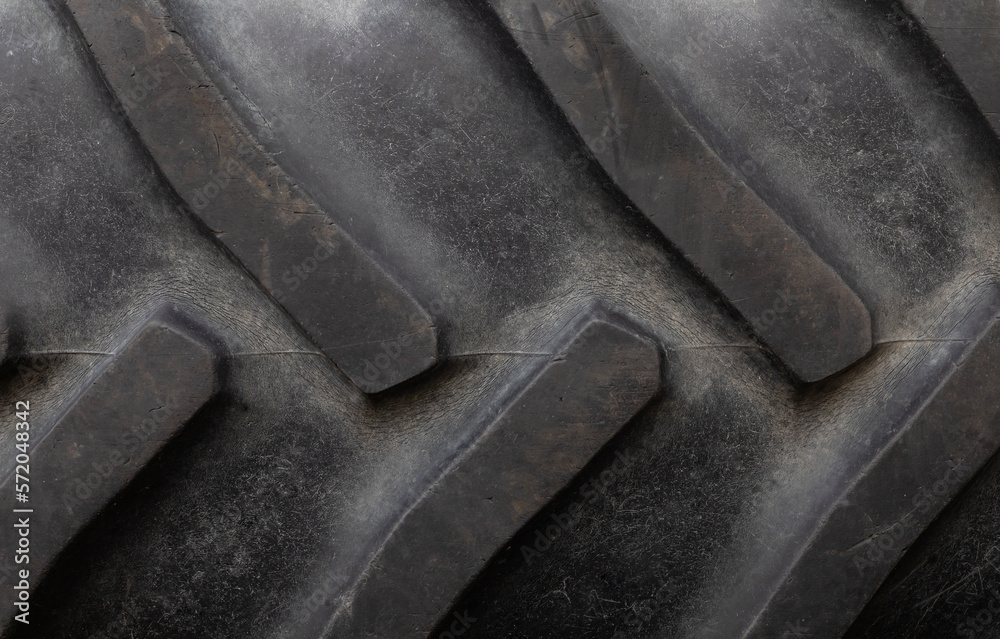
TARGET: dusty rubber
(566,318)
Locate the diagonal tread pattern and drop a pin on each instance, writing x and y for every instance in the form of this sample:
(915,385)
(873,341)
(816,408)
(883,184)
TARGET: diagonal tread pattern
(968,33)
(800,307)
(346,302)
(884,508)
(122,415)
(569,408)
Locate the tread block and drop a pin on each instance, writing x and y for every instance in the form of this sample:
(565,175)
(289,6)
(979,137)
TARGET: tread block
(799,306)
(567,411)
(121,416)
(358,315)
(968,33)
(884,510)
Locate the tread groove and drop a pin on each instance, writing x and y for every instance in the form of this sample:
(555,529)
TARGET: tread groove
(968,33)
(797,303)
(526,448)
(881,511)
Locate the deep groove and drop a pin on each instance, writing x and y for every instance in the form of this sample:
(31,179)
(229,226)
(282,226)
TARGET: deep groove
(531,443)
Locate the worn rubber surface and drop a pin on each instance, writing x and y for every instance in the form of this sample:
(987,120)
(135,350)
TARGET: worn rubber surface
(499,318)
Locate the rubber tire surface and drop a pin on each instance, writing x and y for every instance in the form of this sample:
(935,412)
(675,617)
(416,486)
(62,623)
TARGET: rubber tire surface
(501,318)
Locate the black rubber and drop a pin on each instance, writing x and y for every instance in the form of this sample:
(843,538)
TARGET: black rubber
(499,318)
(815,323)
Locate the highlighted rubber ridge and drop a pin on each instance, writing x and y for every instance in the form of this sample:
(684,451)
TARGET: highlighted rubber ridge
(798,305)
(514,462)
(821,578)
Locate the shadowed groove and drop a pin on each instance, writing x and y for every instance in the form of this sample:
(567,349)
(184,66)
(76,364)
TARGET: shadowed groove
(800,307)
(968,33)
(525,446)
